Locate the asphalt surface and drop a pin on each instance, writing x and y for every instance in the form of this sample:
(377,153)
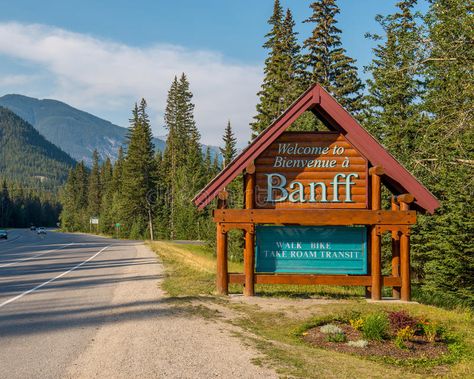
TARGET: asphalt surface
(80,306)
(55,292)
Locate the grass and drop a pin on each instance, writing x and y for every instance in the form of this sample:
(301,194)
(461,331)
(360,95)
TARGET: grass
(276,332)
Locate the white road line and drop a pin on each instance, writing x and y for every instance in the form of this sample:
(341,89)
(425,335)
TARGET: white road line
(35,256)
(52,279)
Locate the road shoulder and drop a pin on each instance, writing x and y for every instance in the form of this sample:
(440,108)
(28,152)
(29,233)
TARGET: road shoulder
(148,335)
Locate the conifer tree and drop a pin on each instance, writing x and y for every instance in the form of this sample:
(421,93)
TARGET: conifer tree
(327,61)
(5,206)
(116,190)
(81,216)
(446,156)
(183,166)
(106,179)
(94,188)
(229,150)
(138,174)
(395,87)
(68,202)
(282,72)
(189,131)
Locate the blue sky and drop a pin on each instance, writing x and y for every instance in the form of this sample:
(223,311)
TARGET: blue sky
(101,56)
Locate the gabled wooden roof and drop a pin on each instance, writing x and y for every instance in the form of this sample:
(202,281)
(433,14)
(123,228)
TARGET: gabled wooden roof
(336,118)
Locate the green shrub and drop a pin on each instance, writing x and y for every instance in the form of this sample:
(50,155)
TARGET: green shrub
(403,335)
(336,337)
(375,327)
(357,324)
(432,330)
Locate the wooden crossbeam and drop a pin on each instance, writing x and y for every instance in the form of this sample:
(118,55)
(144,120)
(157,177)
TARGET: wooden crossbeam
(316,216)
(310,279)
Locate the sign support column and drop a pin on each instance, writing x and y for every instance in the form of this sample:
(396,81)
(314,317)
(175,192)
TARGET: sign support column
(404,201)
(221,246)
(395,252)
(249,252)
(375,240)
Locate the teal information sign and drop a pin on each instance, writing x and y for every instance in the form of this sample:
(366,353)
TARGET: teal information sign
(311,249)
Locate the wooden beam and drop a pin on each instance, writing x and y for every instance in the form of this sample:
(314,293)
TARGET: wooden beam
(375,239)
(249,252)
(222,199)
(316,216)
(310,279)
(405,260)
(222,273)
(249,264)
(395,252)
(405,198)
(376,170)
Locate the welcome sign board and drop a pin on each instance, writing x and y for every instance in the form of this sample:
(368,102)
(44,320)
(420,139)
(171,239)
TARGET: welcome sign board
(313,250)
(311,170)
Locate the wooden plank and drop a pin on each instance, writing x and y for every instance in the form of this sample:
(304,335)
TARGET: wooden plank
(316,216)
(311,176)
(308,279)
(292,156)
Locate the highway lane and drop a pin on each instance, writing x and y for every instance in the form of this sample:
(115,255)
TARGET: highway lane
(55,293)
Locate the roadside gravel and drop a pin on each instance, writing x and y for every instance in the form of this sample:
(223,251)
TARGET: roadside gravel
(147,335)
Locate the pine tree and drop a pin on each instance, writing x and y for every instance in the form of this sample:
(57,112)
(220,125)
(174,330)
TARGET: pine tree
(183,166)
(327,61)
(282,73)
(138,174)
(117,193)
(5,206)
(188,130)
(81,216)
(68,203)
(446,156)
(229,150)
(395,87)
(94,188)
(106,179)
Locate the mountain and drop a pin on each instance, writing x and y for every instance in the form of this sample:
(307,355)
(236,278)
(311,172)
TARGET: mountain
(27,157)
(77,132)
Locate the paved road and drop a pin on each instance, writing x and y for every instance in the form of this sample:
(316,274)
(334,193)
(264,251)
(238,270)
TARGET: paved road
(55,291)
(81,306)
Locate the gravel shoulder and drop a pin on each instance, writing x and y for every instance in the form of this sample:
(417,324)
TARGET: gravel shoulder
(154,336)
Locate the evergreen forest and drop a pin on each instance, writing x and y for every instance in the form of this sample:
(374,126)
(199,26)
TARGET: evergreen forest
(418,103)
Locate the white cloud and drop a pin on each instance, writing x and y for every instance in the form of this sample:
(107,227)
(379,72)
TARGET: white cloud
(106,78)
(16,80)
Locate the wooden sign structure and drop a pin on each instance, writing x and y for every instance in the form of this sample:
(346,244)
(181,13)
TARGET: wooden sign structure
(330,181)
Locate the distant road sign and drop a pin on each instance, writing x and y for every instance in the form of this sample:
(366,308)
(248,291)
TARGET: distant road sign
(94,220)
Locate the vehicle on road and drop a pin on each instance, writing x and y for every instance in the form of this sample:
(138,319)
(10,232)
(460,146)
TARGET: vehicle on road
(40,230)
(32,228)
(3,234)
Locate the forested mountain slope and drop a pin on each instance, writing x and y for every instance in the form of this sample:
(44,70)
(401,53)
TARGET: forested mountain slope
(27,157)
(77,132)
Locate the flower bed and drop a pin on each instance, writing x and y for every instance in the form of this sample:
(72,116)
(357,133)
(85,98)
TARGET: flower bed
(395,335)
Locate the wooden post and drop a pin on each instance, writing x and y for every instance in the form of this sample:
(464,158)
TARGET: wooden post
(222,277)
(404,201)
(395,253)
(375,245)
(222,273)
(249,252)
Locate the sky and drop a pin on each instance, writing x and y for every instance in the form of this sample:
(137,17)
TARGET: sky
(103,56)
